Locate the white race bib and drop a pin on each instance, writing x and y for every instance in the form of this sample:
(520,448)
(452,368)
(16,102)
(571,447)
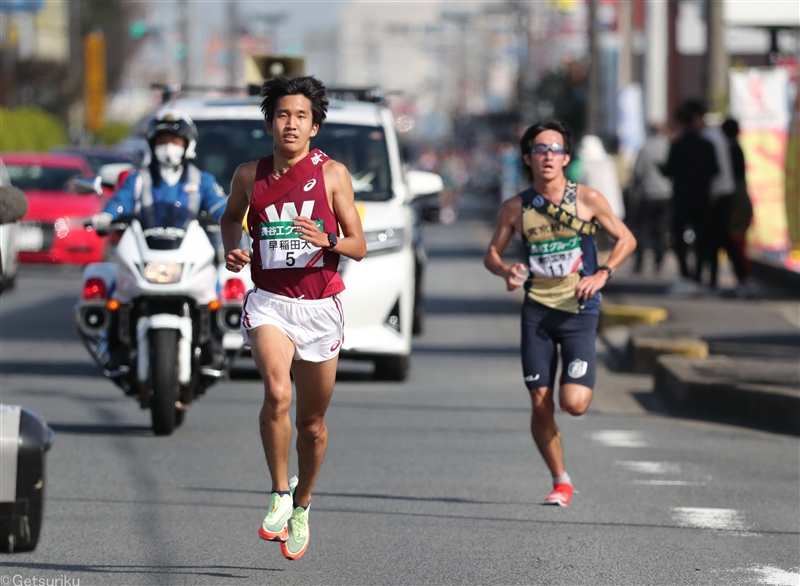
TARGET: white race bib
(555,258)
(282,247)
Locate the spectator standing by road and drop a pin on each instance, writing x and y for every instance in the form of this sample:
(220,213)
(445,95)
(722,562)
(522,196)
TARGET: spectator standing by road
(723,188)
(741,212)
(692,165)
(650,196)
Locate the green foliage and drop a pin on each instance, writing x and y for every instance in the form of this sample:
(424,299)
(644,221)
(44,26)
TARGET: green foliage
(112,133)
(30,129)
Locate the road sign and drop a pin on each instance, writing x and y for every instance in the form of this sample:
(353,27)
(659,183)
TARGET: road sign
(94,73)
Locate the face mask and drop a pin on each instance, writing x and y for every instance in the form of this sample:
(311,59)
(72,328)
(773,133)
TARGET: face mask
(169,155)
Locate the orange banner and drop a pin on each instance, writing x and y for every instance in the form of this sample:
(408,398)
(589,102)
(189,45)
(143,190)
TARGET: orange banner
(765,157)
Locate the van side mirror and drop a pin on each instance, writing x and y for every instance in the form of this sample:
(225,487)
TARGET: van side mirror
(421,183)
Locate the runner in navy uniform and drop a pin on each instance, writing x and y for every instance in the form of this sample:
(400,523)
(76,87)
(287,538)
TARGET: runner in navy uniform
(297,201)
(555,219)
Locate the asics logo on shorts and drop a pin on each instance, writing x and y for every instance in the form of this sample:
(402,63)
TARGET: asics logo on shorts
(335,347)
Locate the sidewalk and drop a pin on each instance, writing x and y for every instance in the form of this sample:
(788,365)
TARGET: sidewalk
(728,359)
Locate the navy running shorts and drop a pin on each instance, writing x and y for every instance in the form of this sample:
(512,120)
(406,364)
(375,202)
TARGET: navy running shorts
(543,329)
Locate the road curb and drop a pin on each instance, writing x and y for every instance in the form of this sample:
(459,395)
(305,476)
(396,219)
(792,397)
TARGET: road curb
(644,348)
(630,315)
(689,390)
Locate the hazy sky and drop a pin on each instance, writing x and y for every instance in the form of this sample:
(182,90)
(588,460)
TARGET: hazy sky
(301,16)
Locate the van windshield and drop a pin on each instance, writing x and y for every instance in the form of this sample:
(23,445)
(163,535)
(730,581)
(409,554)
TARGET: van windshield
(223,145)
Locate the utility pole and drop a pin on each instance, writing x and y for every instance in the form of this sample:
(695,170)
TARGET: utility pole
(183,29)
(233,43)
(655,82)
(717,67)
(594,100)
(625,33)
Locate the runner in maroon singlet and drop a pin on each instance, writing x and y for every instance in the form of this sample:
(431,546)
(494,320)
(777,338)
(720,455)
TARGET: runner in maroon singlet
(298,201)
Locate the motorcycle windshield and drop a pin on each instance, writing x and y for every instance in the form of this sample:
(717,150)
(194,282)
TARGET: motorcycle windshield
(164,225)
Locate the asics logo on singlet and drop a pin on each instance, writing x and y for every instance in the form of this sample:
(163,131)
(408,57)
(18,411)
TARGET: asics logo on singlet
(289,211)
(310,185)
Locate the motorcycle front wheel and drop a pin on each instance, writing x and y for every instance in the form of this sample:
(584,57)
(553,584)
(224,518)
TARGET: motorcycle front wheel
(164,376)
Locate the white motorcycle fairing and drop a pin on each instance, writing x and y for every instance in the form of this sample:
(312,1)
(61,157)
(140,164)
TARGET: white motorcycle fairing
(195,255)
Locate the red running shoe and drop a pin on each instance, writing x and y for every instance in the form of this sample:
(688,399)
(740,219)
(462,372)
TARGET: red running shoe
(561,495)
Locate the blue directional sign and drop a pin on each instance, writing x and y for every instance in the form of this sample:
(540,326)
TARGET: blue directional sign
(21,5)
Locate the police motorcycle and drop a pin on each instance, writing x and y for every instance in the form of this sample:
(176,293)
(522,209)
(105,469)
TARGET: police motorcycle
(150,318)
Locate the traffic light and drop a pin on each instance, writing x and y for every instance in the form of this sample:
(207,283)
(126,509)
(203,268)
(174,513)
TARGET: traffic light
(259,68)
(138,29)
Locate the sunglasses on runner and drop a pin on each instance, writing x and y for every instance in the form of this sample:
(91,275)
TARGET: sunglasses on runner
(555,148)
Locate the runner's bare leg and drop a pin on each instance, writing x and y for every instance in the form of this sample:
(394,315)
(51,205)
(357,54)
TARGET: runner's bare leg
(545,431)
(314,382)
(273,352)
(575,399)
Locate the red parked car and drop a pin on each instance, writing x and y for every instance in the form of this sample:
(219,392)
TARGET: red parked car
(52,230)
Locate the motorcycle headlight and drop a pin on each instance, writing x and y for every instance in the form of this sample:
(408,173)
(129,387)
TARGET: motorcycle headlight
(383,241)
(161,272)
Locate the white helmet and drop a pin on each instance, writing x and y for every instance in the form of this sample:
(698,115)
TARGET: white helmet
(177,123)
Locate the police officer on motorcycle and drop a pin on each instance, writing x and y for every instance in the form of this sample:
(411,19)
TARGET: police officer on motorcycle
(170,177)
(168,183)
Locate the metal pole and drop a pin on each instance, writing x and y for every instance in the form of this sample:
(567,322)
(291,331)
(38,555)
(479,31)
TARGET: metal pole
(717,81)
(625,32)
(655,81)
(183,29)
(233,43)
(594,101)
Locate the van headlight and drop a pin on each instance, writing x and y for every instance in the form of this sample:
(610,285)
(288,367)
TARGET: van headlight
(162,272)
(383,241)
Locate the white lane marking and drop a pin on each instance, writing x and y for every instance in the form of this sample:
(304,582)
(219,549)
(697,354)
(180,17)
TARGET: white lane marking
(670,482)
(649,467)
(776,577)
(616,438)
(703,518)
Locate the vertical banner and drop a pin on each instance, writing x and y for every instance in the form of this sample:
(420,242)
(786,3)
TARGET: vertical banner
(94,74)
(793,185)
(759,101)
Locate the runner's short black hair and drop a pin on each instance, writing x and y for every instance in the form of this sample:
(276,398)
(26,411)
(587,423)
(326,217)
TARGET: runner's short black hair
(307,85)
(534,130)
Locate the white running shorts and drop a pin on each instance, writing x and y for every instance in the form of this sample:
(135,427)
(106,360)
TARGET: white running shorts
(315,326)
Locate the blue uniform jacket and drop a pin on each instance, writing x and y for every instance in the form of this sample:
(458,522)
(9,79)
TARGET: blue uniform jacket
(212,196)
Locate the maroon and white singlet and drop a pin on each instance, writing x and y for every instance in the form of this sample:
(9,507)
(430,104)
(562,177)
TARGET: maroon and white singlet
(282,263)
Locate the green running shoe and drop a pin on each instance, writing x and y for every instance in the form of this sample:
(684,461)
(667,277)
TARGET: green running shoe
(274,527)
(296,544)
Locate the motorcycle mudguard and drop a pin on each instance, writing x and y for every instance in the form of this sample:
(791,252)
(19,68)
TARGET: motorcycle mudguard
(165,321)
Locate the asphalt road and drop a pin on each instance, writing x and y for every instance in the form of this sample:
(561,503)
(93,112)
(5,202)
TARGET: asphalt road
(433,481)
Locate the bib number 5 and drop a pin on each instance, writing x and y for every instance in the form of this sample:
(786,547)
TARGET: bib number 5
(282,248)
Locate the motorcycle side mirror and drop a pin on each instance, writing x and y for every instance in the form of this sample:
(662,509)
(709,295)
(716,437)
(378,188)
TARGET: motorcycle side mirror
(85,185)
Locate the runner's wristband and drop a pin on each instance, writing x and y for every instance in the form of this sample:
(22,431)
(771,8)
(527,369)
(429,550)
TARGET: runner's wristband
(606,269)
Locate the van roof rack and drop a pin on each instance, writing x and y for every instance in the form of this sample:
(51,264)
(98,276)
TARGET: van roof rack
(371,94)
